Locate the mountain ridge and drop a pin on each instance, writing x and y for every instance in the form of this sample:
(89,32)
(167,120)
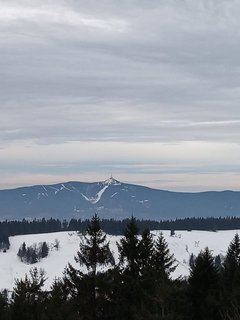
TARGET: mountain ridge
(113,199)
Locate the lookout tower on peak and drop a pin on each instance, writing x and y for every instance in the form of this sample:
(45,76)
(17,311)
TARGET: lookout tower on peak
(111,181)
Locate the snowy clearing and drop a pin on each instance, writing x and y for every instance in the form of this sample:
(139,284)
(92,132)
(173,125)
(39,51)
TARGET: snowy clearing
(181,245)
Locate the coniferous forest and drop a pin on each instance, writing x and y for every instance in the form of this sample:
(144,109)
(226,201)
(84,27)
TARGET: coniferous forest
(139,286)
(115,227)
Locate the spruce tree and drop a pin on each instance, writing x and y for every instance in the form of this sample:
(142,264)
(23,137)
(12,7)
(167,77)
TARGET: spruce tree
(94,252)
(22,252)
(28,298)
(147,275)
(232,261)
(44,250)
(204,287)
(59,306)
(231,279)
(146,250)
(164,261)
(130,272)
(128,248)
(164,264)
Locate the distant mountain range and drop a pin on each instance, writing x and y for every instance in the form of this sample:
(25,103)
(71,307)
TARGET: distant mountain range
(113,199)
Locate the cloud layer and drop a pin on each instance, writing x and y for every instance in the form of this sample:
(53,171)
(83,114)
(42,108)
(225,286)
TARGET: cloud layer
(127,80)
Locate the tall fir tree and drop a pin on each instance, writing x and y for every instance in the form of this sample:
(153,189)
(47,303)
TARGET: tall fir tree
(128,248)
(147,275)
(164,264)
(129,268)
(232,260)
(204,286)
(164,261)
(94,252)
(231,279)
(146,251)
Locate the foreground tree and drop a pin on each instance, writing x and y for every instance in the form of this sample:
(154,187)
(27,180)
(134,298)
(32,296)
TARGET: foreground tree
(231,280)
(93,253)
(4,306)
(129,270)
(164,264)
(146,252)
(28,298)
(231,266)
(164,261)
(204,286)
(59,306)
(129,250)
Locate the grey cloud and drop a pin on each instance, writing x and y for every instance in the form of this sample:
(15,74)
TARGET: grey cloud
(85,70)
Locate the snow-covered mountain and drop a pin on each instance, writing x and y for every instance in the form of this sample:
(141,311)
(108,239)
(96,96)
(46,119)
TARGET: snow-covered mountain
(113,199)
(181,245)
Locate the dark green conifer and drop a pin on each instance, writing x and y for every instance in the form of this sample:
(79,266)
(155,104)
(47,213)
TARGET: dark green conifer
(204,287)
(4,305)
(28,298)
(164,261)
(128,248)
(164,264)
(231,279)
(44,250)
(129,268)
(146,250)
(59,306)
(93,252)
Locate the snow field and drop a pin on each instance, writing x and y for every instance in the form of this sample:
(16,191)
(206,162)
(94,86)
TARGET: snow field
(181,245)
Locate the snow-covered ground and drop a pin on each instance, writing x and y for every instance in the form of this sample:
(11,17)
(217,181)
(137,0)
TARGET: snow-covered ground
(181,245)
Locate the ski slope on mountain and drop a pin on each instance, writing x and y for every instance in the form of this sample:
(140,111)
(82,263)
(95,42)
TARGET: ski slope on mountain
(113,199)
(181,245)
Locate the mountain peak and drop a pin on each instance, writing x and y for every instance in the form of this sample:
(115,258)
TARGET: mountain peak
(111,181)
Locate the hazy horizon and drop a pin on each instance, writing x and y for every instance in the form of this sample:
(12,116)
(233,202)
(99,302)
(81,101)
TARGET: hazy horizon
(141,183)
(147,91)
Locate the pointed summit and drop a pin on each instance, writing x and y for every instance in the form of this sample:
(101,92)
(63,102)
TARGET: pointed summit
(111,181)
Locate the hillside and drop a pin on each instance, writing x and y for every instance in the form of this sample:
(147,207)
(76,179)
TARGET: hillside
(113,199)
(182,245)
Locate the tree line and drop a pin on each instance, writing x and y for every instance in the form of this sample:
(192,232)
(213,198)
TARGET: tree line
(115,227)
(138,287)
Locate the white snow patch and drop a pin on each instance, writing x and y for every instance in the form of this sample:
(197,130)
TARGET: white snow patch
(181,245)
(56,190)
(97,197)
(75,209)
(143,201)
(113,195)
(85,197)
(44,188)
(64,187)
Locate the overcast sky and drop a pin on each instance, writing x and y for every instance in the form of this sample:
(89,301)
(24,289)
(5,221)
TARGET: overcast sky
(146,90)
